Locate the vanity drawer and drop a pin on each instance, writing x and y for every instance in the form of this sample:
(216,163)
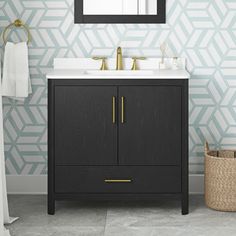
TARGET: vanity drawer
(117,179)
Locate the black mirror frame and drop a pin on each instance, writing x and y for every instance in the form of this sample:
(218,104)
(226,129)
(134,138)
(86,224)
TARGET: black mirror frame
(119,19)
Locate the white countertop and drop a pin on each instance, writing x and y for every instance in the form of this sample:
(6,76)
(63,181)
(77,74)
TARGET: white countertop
(80,74)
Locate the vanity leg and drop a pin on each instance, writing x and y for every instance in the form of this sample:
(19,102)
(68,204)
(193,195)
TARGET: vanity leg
(51,206)
(185,151)
(51,138)
(185,204)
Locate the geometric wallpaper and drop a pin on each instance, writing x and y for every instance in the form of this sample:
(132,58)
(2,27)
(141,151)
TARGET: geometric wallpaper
(203,31)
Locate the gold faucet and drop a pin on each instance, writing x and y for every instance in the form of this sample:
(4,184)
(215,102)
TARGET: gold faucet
(119,62)
(104,64)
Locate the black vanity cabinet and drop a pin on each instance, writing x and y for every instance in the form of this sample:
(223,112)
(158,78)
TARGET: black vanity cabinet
(117,139)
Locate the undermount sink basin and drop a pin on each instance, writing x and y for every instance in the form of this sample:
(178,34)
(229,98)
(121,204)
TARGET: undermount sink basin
(119,72)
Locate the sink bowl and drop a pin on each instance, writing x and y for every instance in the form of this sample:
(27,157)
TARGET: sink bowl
(119,72)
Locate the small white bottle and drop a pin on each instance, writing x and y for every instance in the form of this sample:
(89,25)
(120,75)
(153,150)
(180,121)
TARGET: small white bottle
(162,65)
(175,65)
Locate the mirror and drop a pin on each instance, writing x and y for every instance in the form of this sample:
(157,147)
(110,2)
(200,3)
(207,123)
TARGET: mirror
(120,7)
(120,11)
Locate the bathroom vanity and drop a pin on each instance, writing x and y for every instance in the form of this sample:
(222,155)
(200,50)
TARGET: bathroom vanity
(117,136)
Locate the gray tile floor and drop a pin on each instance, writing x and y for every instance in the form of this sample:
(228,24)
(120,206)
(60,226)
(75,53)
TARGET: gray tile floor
(162,217)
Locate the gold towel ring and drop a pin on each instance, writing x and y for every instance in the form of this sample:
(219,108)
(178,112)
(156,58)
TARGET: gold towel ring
(17,23)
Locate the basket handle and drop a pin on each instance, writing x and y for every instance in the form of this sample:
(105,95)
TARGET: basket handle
(206,147)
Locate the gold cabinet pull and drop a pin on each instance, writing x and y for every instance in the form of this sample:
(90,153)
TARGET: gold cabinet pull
(122,110)
(117,180)
(113,110)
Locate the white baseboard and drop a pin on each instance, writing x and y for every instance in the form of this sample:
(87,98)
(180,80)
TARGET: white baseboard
(26,184)
(196,184)
(30,184)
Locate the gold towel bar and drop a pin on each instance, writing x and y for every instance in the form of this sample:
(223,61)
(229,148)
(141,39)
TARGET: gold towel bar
(17,23)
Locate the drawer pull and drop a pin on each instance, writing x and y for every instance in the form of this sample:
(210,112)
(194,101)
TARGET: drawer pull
(113,110)
(117,180)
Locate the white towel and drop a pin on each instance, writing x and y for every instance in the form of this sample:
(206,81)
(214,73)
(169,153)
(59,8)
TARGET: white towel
(4,212)
(16,78)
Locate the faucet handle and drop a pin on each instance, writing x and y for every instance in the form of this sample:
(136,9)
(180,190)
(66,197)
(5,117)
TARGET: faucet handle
(104,64)
(135,66)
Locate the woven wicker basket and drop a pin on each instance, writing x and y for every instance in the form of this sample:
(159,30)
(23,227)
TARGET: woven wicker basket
(220,179)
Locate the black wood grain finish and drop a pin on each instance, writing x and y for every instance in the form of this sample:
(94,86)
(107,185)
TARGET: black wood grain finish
(51,138)
(84,131)
(151,132)
(86,146)
(80,179)
(185,150)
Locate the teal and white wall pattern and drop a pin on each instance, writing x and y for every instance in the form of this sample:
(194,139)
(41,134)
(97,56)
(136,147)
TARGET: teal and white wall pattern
(203,31)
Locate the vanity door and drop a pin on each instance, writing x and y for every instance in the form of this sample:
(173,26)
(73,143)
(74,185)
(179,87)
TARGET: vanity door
(85,125)
(150,125)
